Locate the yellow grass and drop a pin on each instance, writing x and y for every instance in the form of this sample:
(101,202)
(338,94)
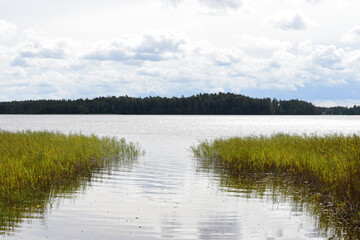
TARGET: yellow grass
(331,162)
(32,162)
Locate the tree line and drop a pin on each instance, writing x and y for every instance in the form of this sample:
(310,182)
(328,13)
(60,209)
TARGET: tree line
(202,104)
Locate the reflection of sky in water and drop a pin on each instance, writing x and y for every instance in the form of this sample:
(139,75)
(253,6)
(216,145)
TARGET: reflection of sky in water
(162,195)
(219,226)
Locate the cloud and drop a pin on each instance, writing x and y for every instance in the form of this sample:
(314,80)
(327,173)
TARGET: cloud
(281,72)
(168,63)
(352,36)
(338,102)
(283,57)
(313,1)
(261,43)
(37,46)
(328,56)
(241,54)
(58,48)
(3,51)
(325,65)
(167,77)
(151,72)
(222,4)
(7,30)
(148,47)
(285,21)
(17,72)
(226,57)
(173,3)
(20,62)
(305,46)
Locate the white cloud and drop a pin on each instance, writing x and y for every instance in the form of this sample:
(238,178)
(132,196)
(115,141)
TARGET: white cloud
(17,72)
(19,61)
(37,47)
(222,4)
(163,63)
(240,53)
(352,36)
(58,48)
(313,1)
(134,50)
(3,51)
(281,72)
(7,30)
(328,56)
(262,43)
(339,102)
(286,21)
(305,46)
(226,57)
(283,57)
(151,72)
(325,65)
(173,3)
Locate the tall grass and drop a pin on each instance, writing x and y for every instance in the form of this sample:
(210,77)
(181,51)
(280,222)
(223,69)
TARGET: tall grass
(331,162)
(32,162)
(280,188)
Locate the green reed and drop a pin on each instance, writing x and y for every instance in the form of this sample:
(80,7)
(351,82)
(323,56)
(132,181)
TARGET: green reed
(280,188)
(331,162)
(31,163)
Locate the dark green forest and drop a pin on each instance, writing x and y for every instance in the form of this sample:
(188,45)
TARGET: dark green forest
(219,103)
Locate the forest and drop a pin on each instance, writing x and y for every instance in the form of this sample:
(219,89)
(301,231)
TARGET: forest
(200,104)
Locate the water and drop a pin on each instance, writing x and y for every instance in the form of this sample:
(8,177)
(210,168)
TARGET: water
(167,194)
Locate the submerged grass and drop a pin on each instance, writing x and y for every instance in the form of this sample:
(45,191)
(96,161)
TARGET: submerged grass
(330,162)
(31,163)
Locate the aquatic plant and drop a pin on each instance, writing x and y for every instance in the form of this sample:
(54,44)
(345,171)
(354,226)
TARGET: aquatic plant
(279,189)
(31,163)
(331,163)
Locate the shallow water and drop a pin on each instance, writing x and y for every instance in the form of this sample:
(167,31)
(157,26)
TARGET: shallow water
(167,194)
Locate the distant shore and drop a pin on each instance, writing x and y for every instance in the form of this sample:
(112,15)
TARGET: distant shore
(200,104)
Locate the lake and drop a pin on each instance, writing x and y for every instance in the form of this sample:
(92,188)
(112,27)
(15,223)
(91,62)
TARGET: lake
(166,193)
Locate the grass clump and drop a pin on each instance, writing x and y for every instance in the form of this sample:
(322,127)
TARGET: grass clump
(31,163)
(330,162)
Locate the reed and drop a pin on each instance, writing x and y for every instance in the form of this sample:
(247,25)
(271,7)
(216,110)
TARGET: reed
(31,163)
(330,162)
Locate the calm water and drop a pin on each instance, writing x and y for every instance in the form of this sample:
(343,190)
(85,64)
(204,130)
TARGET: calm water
(167,194)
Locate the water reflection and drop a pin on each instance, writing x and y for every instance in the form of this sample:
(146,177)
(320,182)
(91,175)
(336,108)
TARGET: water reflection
(12,217)
(170,226)
(219,226)
(280,189)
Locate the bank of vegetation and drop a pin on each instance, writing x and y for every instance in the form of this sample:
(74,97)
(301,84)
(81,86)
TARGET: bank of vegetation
(329,163)
(32,163)
(215,104)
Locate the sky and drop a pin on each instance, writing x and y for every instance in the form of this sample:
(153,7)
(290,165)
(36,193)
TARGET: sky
(304,49)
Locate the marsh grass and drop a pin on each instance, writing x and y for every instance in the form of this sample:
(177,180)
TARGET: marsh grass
(329,163)
(279,189)
(31,163)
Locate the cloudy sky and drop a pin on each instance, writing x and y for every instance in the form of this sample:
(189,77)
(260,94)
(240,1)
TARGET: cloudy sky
(305,49)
